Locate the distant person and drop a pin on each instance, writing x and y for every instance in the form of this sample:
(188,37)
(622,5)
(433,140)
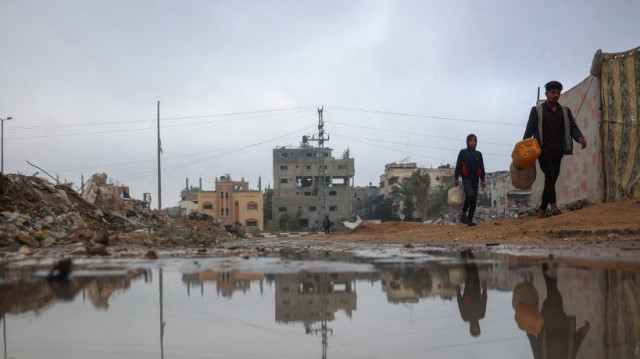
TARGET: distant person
(470,166)
(553,126)
(558,337)
(326,224)
(472,303)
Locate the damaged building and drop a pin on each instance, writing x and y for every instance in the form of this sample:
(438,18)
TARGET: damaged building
(310,183)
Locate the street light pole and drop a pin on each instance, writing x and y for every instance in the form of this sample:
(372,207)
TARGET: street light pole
(2,142)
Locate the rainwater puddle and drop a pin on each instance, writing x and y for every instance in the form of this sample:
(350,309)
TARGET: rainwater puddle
(317,305)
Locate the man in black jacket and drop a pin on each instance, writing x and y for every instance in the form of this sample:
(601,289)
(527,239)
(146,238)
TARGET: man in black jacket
(470,166)
(553,126)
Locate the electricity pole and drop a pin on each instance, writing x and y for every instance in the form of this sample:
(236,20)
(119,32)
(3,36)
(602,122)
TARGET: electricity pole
(159,173)
(322,170)
(2,143)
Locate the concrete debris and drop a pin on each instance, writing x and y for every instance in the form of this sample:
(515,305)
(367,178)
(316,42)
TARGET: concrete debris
(573,206)
(354,224)
(37,214)
(482,214)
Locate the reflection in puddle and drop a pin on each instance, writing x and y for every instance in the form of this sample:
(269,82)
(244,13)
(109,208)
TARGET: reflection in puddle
(350,307)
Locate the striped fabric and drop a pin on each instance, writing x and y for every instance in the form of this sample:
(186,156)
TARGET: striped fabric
(622,332)
(620,83)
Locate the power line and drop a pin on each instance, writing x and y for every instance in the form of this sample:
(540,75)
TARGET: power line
(151,128)
(425,116)
(85,124)
(233,150)
(414,134)
(404,144)
(396,150)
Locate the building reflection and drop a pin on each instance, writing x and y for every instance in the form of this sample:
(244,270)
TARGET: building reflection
(227,282)
(37,296)
(408,283)
(314,298)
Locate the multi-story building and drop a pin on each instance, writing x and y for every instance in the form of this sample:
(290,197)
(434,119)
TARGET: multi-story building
(308,183)
(365,201)
(395,173)
(232,203)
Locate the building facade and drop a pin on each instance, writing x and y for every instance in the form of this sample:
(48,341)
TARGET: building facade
(231,203)
(366,200)
(395,173)
(501,194)
(308,183)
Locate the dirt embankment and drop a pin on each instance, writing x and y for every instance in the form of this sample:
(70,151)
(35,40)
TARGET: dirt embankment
(600,222)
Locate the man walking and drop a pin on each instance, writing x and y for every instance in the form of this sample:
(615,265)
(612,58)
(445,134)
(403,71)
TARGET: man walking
(469,166)
(553,126)
(326,224)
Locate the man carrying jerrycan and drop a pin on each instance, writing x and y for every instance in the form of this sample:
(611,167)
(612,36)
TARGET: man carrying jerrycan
(553,126)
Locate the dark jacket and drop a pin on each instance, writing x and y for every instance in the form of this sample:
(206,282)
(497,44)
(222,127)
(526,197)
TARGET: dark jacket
(469,164)
(571,130)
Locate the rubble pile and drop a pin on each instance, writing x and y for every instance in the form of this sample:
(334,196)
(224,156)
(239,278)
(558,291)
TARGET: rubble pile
(35,213)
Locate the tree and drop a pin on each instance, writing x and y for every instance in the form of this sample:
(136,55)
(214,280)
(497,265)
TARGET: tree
(384,211)
(438,201)
(419,184)
(403,194)
(290,223)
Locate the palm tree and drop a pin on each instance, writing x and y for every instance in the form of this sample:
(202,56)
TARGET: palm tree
(419,183)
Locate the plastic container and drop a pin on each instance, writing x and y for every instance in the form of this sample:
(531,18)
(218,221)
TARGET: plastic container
(529,319)
(523,178)
(454,196)
(525,152)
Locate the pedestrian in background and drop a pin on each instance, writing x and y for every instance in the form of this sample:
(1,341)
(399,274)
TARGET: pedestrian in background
(326,224)
(469,166)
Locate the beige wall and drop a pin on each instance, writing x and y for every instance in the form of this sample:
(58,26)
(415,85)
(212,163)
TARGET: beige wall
(250,208)
(229,206)
(206,198)
(581,173)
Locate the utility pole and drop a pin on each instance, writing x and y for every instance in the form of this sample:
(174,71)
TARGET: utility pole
(321,183)
(2,142)
(159,173)
(322,171)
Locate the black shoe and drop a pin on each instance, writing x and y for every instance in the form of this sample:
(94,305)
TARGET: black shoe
(463,218)
(471,224)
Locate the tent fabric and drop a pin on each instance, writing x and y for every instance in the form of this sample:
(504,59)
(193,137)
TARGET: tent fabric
(622,320)
(620,83)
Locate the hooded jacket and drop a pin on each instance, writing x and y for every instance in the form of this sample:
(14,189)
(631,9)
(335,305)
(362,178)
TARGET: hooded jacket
(469,164)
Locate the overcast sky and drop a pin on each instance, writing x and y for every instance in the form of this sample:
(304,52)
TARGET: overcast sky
(398,80)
